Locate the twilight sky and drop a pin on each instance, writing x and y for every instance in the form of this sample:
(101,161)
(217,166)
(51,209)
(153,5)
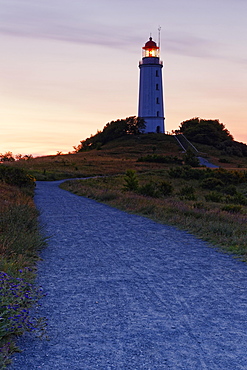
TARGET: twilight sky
(67,67)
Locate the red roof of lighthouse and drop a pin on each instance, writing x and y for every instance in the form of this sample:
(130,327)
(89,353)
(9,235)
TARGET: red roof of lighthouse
(150,44)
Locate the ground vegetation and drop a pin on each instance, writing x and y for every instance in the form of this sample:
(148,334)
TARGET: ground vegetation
(20,240)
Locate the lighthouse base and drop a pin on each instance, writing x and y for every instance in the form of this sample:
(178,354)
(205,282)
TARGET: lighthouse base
(154,124)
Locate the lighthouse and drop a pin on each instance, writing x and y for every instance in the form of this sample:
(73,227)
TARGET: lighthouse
(151,105)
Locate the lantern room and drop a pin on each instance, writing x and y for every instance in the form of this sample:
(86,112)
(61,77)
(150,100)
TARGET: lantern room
(150,49)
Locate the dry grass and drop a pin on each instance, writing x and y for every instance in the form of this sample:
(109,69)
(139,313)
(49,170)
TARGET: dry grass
(117,157)
(19,241)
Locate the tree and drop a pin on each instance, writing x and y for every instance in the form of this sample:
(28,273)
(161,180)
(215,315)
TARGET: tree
(7,157)
(131,181)
(210,132)
(113,130)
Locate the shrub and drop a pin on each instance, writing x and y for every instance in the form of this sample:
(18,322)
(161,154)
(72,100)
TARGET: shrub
(199,205)
(166,188)
(211,183)
(160,159)
(188,173)
(175,172)
(232,208)
(131,181)
(239,198)
(230,177)
(16,176)
(224,160)
(150,190)
(187,192)
(213,197)
(190,159)
(230,190)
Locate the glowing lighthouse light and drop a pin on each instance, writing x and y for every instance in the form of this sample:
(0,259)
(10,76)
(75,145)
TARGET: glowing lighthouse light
(150,49)
(151,105)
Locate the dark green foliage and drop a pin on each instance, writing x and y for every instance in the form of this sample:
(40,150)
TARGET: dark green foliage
(224,160)
(160,159)
(187,192)
(232,208)
(166,188)
(238,198)
(16,176)
(230,177)
(217,197)
(230,190)
(176,172)
(113,130)
(210,132)
(187,173)
(212,183)
(154,190)
(226,176)
(149,189)
(213,197)
(191,159)
(131,181)
(233,148)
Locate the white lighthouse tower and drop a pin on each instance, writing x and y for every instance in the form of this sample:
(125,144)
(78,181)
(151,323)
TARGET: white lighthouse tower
(151,106)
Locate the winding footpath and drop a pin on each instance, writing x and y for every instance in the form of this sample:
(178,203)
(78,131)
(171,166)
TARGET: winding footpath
(123,292)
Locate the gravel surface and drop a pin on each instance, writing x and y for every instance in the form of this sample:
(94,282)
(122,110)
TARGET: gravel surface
(206,163)
(124,292)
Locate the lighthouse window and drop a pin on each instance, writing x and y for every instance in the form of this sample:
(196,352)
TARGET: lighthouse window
(157,86)
(158,113)
(157,73)
(157,101)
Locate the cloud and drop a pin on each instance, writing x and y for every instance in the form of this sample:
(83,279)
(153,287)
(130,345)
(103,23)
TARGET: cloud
(59,21)
(98,23)
(191,46)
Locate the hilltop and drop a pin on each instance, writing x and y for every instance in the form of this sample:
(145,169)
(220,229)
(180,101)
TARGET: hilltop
(120,154)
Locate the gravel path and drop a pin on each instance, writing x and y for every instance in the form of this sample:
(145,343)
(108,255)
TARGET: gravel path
(124,292)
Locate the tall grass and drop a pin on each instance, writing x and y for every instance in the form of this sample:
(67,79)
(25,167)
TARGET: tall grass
(20,240)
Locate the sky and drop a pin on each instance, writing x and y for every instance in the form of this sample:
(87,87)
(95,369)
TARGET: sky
(67,67)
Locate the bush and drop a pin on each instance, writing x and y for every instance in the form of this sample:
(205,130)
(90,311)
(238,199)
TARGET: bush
(176,172)
(150,190)
(210,132)
(188,173)
(187,192)
(230,190)
(190,159)
(166,188)
(230,177)
(160,159)
(224,160)
(213,197)
(239,198)
(211,183)
(111,131)
(232,208)
(16,176)
(131,181)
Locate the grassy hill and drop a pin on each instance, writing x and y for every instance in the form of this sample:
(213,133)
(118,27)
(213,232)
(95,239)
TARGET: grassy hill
(119,155)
